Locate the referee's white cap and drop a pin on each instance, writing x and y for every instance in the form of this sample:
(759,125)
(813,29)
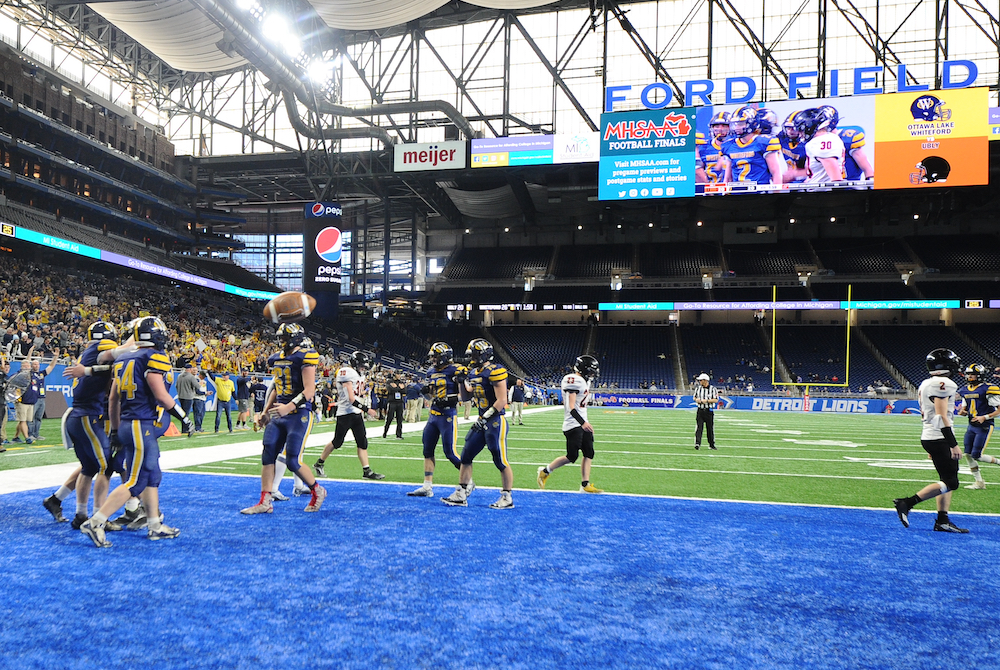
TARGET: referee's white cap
(703,377)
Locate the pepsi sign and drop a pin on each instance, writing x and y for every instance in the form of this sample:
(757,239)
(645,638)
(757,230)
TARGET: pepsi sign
(323,210)
(329,243)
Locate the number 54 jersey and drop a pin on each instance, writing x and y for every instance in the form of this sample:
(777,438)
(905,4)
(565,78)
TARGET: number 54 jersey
(137,401)
(574,383)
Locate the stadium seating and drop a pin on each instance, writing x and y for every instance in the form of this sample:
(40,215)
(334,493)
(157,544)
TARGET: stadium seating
(986,335)
(892,290)
(778,259)
(870,255)
(593,260)
(452,295)
(545,353)
(630,356)
(906,347)
(808,350)
(492,263)
(958,253)
(726,351)
(677,259)
(959,290)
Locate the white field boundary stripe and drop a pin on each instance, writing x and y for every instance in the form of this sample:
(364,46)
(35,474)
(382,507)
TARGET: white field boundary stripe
(416,459)
(29,479)
(686,444)
(653,496)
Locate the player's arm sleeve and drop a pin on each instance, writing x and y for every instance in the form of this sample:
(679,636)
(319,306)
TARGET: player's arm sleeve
(158,363)
(857,142)
(498,375)
(993,396)
(106,345)
(311,358)
(773,145)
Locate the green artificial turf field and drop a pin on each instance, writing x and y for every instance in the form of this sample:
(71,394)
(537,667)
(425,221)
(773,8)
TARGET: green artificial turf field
(834,459)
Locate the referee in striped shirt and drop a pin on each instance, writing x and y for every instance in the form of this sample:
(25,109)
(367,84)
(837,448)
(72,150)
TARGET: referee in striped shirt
(706,397)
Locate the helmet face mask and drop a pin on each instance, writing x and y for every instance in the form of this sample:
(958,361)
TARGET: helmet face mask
(719,125)
(943,362)
(587,367)
(440,354)
(975,372)
(479,351)
(930,170)
(744,121)
(290,335)
(807,123)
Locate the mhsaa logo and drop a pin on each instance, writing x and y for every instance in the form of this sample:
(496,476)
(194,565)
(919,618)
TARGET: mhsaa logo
(329,244)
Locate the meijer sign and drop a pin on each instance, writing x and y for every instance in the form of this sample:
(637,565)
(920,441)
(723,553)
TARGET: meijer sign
(429,156)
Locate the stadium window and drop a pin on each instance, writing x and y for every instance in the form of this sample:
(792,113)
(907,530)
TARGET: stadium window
(90,130)
(26,100)
(79,126)
(100,136)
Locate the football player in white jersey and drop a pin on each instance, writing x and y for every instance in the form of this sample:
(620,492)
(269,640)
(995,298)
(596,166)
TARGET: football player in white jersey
(937,406)
(578,431)
(824,148)
(350,414)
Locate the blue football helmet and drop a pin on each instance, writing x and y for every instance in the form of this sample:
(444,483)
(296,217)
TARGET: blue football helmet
(719,125)
(479,351)
(440,354)
(290,335)
(744,121)
(151,331)
(102,330)
(768,121)
(791,132)
(929,108)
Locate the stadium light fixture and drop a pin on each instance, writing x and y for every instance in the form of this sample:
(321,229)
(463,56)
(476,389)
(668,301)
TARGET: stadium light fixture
(319,71)
(619,226)
(246,5)
(581,227)
(699,224)
(906,278)
(791,220)
(506,230)
(651,224)
(833,219)
(277,29)
(467,231)
(916,216)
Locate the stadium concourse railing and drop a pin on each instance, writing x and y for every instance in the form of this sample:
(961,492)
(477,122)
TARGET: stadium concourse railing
(814,392)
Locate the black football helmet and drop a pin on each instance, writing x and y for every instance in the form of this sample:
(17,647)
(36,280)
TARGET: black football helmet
(587,367)
(479,351)
(290,335)
(360,360)
(943,362)
(768,120)
(440,354)
(930,170)
(975,370)
(102,330)
(151,331)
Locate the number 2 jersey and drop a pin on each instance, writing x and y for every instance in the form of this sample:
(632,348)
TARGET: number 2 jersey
(90,394)
(287,371)
(574,383)
(748,157)
(935,387)
(131,370)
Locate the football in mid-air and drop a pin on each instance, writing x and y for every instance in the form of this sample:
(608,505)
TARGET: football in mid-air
(289,307)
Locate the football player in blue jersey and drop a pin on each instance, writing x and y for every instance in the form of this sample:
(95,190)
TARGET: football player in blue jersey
(136,390)
(793,150)
(488,383)
(710,150)
(84,424)
(443,378)
(750,157)
(288,416)
(981,403)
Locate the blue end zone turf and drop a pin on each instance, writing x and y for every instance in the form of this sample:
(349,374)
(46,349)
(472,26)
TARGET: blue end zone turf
(377,579)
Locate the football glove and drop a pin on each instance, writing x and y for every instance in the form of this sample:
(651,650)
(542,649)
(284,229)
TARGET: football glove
(480,424)
(116,444)
(460,377)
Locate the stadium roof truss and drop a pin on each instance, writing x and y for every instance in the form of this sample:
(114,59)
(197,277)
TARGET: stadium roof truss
(406,70)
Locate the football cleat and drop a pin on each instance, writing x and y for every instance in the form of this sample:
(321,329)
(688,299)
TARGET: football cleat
(141,522)
(424,491)
(278,496)
(318,469)
(504,502)
(54,506)
(977,485)
(263,506)
(697,446)
(903,510)
(299,491)
(712,447)
(543,476)
(948,527)
(590,488)
(460,498)
(128,517)
(318,496)
(95,533)
(371,474)
(112,527)
(163,533)
(78,520)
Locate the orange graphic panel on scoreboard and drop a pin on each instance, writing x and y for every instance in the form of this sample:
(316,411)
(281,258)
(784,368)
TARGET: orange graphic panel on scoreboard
(962,161)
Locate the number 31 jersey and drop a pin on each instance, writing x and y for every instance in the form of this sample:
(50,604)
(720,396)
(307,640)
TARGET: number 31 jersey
(574,383)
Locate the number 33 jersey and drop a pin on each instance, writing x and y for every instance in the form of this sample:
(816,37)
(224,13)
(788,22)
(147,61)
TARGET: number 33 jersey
(574,383)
